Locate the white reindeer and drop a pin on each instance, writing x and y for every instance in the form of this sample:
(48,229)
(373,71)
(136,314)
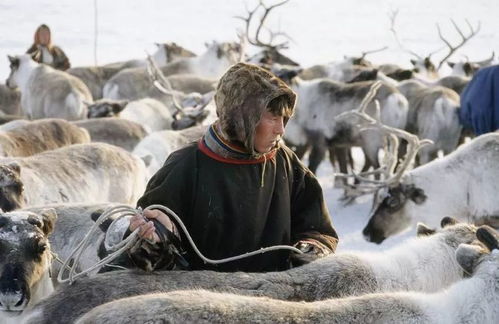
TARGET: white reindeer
(423,264)
(460,184)
(148,112)
(95,77)
(46,92)
(472,300)
(321,100)
(159,145)
(433,114)
(212,64)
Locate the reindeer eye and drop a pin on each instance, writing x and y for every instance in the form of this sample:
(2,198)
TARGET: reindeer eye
(42,246)
(393,201)
(34,221)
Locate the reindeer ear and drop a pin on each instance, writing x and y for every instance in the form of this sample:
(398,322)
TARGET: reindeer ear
(119,106)
(467,256)
(12,59)
(487,236)
(14,166)
(448,221)
(423,230)
(49,217)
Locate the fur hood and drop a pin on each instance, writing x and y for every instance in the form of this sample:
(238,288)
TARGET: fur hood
(242,96)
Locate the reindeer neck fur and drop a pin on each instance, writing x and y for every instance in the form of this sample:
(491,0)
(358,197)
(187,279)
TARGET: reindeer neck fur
(422,264)
(43,288)
(458,185)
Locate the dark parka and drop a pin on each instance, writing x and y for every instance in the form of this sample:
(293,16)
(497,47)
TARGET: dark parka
(60,60)
(232,207)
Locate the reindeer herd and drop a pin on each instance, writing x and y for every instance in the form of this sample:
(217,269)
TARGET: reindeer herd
(75,143)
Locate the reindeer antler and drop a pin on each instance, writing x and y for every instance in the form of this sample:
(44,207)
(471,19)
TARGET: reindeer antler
(256,41)
(464,38)
(392,173)
(161,82)
(373,51)
(393,16)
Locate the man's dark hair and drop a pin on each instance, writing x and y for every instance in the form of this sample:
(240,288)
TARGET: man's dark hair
(280,106)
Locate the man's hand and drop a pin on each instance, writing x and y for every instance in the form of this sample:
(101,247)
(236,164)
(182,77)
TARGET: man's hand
(312,250)
(147,230)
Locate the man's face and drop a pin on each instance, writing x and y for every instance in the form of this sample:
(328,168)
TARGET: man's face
(268,132)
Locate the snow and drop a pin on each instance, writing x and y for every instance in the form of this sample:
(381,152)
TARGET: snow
(322,31)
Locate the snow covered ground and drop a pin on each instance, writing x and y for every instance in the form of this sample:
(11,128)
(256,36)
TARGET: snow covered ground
(322,31)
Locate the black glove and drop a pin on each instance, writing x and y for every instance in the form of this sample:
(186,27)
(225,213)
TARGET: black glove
(312,250)
(165,255)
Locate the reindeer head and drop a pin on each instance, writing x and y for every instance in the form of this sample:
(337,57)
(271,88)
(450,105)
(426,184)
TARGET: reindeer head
(479,261)
(174,51)
(194,111)
(11,187)
(468,68)
(424,66)
(24,256)
(453,232)
(388,216)
(229,52)
(17,66)
(105,108)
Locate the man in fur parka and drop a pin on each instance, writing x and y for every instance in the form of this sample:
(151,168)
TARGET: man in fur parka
(237,189)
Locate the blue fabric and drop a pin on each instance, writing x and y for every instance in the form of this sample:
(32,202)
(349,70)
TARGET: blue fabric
(480,102)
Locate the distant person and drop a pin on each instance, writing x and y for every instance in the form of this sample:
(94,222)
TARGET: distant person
(48,53)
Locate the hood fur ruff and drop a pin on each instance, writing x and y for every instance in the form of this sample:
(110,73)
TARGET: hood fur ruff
(242,96)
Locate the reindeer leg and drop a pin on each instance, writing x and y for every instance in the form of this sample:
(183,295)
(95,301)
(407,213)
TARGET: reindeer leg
(316,156)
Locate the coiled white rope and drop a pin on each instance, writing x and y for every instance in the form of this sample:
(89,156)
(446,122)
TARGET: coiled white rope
(124,245)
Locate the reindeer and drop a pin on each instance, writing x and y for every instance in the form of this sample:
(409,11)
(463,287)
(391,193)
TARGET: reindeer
(113,130)
(321,100)
(93,172)
(472,300)
(467,68)
(95,77)
(39,136)
(10,101)
(46,92)
(433,114)
(25,261)
(148,112)
(427,71)
(448,186)
(270,53)
(212,64)
(429,258)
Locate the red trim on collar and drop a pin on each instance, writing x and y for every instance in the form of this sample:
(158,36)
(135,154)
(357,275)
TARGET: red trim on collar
(203,148)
